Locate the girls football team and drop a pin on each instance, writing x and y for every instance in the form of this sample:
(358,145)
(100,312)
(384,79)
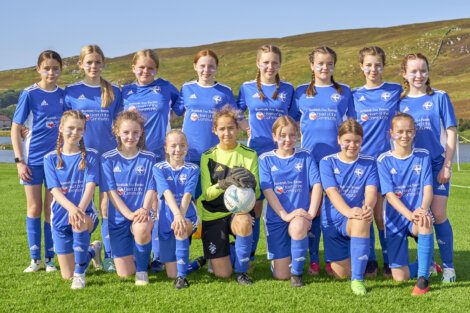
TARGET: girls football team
(357,148)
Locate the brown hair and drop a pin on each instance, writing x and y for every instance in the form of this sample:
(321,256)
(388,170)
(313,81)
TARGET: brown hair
(283,121)
(372,50)
(107,92)
(49,54)
(228,111)
(311,91)
(147,53)
(350,126)
(261,50)
(129,116)
(204,53)
(60,138)
(403,116)
(403,67)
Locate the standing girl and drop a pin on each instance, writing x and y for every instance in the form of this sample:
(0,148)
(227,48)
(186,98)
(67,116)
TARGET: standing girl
(228,163)
(436,132)
(350,183)
(176,182)
(100,102)
(72,173)
(375,104)
(406,181)
(39,108)
(127,178)
(290,182)
(320,106)
(266,98)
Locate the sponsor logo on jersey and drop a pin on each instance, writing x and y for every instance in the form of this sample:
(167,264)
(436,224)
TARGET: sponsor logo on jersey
(117,169)
(259,115)
(359,172)
(217,99)
(194,117)
(393,171)
(256,96)
(278,189)
(427,105)
(312,116)
(120,191)
(399,193)
(336,97)
(385,96)
(50,124)
(299,166)
(156,89)
(44,103)
(212,248)
(87,116)
(417,169)
(336,171)
(364,117)
(82,97)
(140,169)
(193,96)
(362,98)
(441,187)
(406,109)
(64,190)
(219,168)
(132,108)
(182,178)
(282,96)
(274,168)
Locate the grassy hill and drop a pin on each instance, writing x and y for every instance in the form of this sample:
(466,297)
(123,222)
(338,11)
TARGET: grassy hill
(446,43)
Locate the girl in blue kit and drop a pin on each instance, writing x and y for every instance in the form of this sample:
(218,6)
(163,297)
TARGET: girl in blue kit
(127,178)
(291,184)
(39,108)
(176,182)
(350,182)
(154,100)
(266,98)
(72,173)
(436,132)
(320,106)
(100,102)
(406,181)
(375,104)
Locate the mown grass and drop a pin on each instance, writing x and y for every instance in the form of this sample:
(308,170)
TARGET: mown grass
(41,292)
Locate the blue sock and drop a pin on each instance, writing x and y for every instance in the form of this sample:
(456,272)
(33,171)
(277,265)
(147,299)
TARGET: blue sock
(142,256)
(233,254)
(314,240)
(48,243)
(425,252)
(155,242)
(81,242)
(33,230)
(372,254)
(413,269)
(445,241)
(182,257)
(192,267)
(383,244)
(298,250)
(256,230)
(243,251)
(105,237)
(360,247)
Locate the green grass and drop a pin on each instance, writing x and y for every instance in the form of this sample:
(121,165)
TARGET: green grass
(41,292)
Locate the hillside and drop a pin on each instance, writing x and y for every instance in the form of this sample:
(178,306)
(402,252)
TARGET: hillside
(447,43)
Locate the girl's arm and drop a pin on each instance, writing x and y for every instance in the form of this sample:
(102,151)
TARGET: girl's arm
(185,202)
(279,209)
(120,205)
(396,203)
(427,197)
(341,205)
(451,143)
(370,199)
(315,200)
(87,196)
(23,170)
(76,214)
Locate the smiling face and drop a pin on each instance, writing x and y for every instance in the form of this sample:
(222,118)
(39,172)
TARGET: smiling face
(372,67)
(49,70)
(129,134)
(350,144)
(176,147)
(323,66)
(226,130)
(206,68)
(72,130)
(145,70)
(286,138)
(269,64)
(403,132)
(416,74)
(92,64)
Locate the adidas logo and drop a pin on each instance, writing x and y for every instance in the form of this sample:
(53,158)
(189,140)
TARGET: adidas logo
(406,109)
(219,169)
(362,98)
(181,262)
(117,169)
(274,168)
(256,95)
(336,171)
(300,259)
(82,97)
(393,171)
(44,103)
(130,92)
(193,96)
(441,187)
(364,257)
(169,178)
(78,249)
(34,248)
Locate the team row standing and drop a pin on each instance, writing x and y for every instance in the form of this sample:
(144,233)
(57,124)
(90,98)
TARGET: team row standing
(267,99)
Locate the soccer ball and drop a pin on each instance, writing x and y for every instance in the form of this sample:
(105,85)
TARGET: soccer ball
(239,200)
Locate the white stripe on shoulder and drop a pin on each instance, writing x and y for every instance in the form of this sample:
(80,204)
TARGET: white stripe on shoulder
(31,88)
(421,150)
(367,157)
(267,154)
(145,152)
(74,84)
(439,91)
(384,155)
(287,83)
(332,156)
(192,82)
(161,164)
(110,153)
(223,85)
(344,85)
(302,150)
(53,152)
(92,150)
(190,165)
(393,83)
(249,82)
(306,84)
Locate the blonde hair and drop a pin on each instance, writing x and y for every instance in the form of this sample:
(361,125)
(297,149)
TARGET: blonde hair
(226,111)
(283,121)
(107,92)
(175,132)
(350,126)
(403,67)
(129,116)
(311,91)
(259,53)
(146,53)
(72,114)
(372,50)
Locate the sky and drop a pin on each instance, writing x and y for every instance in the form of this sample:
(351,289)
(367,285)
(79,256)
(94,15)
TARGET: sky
(121,27)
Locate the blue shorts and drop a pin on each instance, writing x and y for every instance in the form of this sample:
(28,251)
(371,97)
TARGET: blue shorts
(336,241)
(439,189)
(38,176)
(121,239)
(63,236)
(278,240)
(398,245)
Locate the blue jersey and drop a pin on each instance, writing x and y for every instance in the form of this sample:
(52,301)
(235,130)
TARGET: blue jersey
(320,117)
(263,114)
(351,180)
(131,178)
(433,114)
(40,111)
(153,102)
(71,180)
(405,177)
(291,178)
(375,108)
(87,99)
(178,181)
(199,104)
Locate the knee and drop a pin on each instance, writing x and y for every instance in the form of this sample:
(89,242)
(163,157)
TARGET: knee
(223,272)
(241,225)
(360,227)
(141,232)
(34,210)
(298,228)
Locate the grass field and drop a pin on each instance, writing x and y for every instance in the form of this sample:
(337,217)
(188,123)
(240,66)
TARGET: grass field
(41,292)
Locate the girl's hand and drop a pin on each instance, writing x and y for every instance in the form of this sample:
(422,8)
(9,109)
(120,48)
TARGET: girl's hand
(418,214)
(141,216)
(367,213)
(24,172)
(248,132)
(444,175)
(24,132)
(296,213)
(179,224)
(355,213)
(76,217)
